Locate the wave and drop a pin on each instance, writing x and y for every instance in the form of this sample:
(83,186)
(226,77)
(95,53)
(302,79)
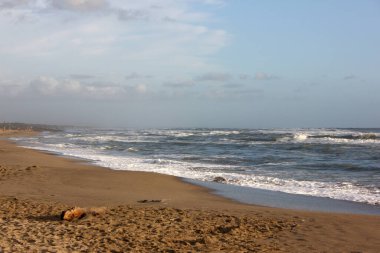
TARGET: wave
(300,137)
(133,149)
(222,132)
(367,136)
(351,141)
(262,159)
(208,172)
(241,137)
(329,138)
(181,135)
(343,191)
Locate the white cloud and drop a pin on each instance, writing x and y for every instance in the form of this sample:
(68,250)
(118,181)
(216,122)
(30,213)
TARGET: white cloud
(72,5)
(72,46)
(125,10)
(79,5)
(74,29)
(44,85)
(69,88)
(264,76)
(52,87)
(90,88)
(141,88)
(214,76)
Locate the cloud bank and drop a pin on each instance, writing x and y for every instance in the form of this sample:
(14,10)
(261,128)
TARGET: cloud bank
(93,36)
(68,88)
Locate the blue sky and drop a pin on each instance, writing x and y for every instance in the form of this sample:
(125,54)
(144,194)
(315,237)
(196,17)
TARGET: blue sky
(191,63)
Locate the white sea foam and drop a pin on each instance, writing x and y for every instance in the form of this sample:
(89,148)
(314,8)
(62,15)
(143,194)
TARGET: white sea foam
(220,132)
(345,191)
(183,134)
(342,191)
(133,149)
(331,137)
(207,172)
(259,178)
(300,137)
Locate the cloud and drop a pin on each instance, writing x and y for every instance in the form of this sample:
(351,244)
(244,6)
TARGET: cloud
(10,4)
(79,5)
(73,28)
(264,76)
(41,6)
(128,15)
(124,10)
(44,85)
(73,43)
(350,77)
(217,2)
(233,85)
(135,75)
(52,87)
(214,76)
(81,76)
(230,94)
(141,88)
(131,10)
(68,88)
(179,84)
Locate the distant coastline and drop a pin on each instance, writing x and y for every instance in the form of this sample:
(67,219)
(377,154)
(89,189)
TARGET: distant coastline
(16,126)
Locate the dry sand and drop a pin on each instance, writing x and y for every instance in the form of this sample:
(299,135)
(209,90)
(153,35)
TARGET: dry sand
(148,212)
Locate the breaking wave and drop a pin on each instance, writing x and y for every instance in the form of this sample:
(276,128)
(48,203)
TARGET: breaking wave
(335,163)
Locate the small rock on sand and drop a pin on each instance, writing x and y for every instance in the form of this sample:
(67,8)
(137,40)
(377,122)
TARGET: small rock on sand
(219,180)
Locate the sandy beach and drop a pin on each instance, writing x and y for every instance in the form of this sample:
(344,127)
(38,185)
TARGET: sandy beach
(148,212)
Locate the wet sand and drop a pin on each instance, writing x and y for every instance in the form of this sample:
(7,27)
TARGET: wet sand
(148,212)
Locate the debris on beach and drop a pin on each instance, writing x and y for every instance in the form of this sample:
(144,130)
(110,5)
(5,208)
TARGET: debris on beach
(150,201)
(77,213)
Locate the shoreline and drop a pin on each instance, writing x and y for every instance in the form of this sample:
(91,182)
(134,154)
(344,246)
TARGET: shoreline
(47,180)
(255,196)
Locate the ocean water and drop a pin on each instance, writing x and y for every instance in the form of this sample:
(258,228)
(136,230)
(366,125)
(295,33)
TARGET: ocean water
(340,164)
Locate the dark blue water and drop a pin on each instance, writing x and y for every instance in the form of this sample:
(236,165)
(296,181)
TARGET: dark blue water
(336,163)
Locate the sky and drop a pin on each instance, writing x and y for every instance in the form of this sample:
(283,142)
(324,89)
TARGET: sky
(191,63)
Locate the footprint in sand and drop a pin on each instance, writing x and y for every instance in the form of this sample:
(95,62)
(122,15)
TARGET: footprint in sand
(33,167)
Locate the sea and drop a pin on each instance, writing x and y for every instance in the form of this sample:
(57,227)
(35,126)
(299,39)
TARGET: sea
(334,163)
